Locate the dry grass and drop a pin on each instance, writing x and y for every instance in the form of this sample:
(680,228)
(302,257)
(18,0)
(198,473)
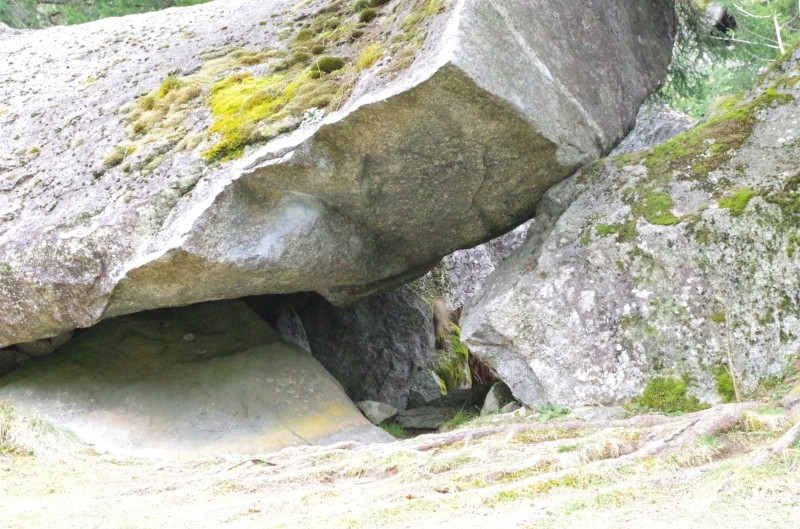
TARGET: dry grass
(30,435)
(525,474)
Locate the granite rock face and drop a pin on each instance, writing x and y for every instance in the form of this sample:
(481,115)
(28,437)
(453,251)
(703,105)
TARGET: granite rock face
(119,191)
(377,348)
(654,125)
(676,262)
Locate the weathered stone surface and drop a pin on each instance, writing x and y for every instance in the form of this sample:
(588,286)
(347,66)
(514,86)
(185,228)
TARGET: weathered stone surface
(498,397)
(462,273)
(671,262)
(376,412)
(103,216)
(426,387)
(425,418)
(206,379)
(655,124)
(374,347)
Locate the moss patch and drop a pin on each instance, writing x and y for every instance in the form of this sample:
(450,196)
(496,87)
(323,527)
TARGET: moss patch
(624,232)
(453,367)
(248,109)
(737,202)
(667,395)
(725,386)
(707,146)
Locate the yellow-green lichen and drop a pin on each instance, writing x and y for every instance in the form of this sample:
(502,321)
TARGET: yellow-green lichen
(370,55)
(249,109)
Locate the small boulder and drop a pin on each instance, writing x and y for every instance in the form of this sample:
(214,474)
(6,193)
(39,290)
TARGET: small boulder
(511,407)
(426,418)
(376,412)
(499,395)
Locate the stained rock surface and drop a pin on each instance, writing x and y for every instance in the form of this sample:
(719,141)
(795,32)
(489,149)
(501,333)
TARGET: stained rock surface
(207,153)
(207,379)
(676,262)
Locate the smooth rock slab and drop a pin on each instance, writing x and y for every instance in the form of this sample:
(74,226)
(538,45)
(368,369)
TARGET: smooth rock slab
(205,379)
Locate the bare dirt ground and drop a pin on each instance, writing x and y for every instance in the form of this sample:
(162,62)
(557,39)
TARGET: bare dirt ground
(704,470)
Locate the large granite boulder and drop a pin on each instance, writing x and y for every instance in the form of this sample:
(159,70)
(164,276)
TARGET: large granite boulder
(675,262)
(207,379)
(376,347)
(244,148)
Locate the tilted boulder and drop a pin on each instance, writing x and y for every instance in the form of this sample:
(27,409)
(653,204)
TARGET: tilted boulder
(679,262)
(373,144)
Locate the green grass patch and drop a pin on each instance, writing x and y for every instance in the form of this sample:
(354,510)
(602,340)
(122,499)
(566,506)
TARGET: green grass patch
(457,420)
(395,430)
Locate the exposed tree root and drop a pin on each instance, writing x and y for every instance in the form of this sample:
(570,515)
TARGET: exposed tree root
(432,441)
(665,435)
(779,446)
(686,430)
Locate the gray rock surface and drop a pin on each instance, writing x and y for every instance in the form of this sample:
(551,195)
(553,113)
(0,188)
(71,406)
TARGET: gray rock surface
(375,347)
(426,387)
(6,31)
(376,412)
(655,124)
(498,397)
(425,418)
(663,263)
(462,273)
(101,215)
(206,379)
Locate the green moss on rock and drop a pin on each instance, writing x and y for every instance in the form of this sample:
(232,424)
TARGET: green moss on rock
(327,64)
(725,386)
(737,202)
(453,367)
(667,395)
(624,231)
(655,207)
